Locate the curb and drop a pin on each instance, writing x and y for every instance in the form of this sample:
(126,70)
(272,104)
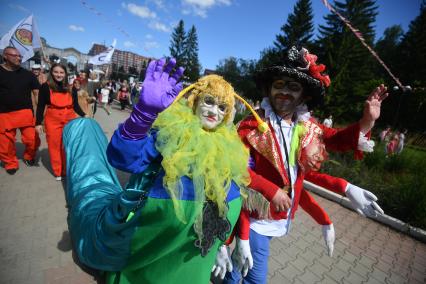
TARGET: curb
(392,222)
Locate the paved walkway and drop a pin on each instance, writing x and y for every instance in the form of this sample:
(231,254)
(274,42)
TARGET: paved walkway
(35,245)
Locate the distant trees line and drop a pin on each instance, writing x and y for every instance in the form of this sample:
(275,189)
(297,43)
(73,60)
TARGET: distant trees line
(352,69)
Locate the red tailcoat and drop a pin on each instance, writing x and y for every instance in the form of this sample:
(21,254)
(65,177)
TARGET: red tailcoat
(269,174)
(332,183)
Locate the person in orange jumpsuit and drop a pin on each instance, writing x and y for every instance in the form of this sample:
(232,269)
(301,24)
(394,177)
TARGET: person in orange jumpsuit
(18,89)
(59,106)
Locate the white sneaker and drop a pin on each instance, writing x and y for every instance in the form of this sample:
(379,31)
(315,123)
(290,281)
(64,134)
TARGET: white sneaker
(58,178)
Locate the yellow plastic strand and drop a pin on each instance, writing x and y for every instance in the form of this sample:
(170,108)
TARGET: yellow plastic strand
(183,92)
(263,126)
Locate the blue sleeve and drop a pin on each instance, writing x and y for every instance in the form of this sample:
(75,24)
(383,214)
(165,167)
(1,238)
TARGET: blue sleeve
(97,205)
(132,156)
(98,228)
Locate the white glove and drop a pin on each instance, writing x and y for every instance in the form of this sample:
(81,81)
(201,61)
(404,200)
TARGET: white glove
(329,237)
(222,263)
(241,256)
(364,144)
(363,201)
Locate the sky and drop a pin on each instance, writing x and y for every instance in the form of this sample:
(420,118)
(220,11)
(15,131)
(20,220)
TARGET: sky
(238,28)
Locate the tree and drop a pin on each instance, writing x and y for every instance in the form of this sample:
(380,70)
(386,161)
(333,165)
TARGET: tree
(413,49)
(349,63)
(247,86)
(270,56)
(298,29)
(53,58)
(71,67)
(114,71)
(122,73)
(177,44)
(408,110)
(228,69)
(239,73)
(142,74)
(192,64)
(37,57)
(388,48)
(133,71)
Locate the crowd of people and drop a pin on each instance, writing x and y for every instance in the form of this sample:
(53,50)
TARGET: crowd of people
(328,121)
(393,140)
(198,181)
(37,103)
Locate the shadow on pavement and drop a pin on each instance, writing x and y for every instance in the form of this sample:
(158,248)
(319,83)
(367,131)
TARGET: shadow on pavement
(65,245)
(45,160)
(20,148)
(118,108)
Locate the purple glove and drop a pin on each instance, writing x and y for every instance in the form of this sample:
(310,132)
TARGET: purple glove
(159,90)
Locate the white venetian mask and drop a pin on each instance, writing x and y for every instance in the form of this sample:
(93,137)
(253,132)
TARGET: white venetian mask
(210,111)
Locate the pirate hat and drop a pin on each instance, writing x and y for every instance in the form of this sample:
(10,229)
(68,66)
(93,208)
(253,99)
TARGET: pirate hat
(299,66)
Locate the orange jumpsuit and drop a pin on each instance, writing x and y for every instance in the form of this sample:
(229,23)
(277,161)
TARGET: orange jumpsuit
(24,121)
(58,113)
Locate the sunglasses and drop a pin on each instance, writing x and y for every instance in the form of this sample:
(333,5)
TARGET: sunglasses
(14,55)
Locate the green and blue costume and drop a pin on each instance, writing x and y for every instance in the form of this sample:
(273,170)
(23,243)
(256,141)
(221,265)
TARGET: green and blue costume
(151,246)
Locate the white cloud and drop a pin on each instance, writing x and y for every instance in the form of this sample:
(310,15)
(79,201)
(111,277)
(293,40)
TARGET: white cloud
(140,11)
(186,11)
(156,25)
(151,45)
(198,12)
(200,7)
(207,3)
(159,3)
(174,24)
(19,7)
(148,36)
(75,28)
(129,44)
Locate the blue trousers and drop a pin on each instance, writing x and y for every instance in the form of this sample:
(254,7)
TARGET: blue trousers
(259,246)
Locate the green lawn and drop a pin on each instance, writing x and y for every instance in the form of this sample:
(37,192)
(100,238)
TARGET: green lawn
(398,181)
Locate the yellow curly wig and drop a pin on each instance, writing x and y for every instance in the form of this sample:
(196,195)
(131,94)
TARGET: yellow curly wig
(215,86)
(204,156)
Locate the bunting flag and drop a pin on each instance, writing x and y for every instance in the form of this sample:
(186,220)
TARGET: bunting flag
(103,57)
(359,35)
(107,20)
(24,37)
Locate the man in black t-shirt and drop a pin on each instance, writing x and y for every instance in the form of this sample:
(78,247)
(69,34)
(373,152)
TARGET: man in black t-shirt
(18,91)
